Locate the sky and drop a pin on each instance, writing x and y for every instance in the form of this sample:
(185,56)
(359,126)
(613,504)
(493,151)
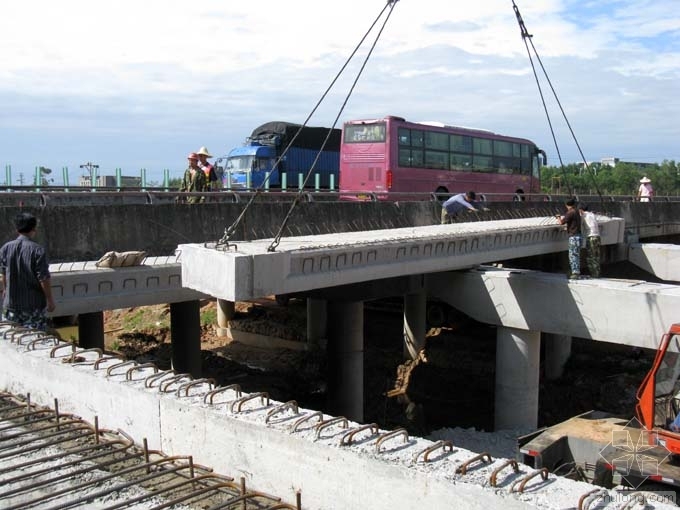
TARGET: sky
(140,84)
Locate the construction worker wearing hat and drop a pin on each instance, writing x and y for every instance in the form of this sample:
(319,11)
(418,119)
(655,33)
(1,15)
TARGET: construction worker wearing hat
(645,191)
(194,179)
(209,171)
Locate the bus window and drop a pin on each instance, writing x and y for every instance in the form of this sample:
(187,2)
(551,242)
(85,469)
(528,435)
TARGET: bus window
(417,158)
(404,136)
(461,143)
(416,138)
(461,162)
(482,146)
(482,163)
(437,159)
(364,133)
(501,148)
(405,157)
(437,141)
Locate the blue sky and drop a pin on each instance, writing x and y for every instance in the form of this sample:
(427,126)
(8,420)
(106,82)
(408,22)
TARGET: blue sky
(139,84)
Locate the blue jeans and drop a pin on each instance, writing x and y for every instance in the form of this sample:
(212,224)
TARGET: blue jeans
(575,254)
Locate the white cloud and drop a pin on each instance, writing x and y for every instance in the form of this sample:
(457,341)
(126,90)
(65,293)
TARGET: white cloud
(208,72)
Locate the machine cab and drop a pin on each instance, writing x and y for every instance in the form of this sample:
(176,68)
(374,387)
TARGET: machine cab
(658,406)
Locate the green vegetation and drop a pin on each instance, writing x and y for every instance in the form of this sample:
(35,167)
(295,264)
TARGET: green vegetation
(144,317)
(208,316)
(623,179)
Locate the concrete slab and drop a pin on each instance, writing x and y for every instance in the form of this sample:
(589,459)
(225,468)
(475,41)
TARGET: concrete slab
(272,456)
(661,260)
(82,287)
(247,270)
(630,312)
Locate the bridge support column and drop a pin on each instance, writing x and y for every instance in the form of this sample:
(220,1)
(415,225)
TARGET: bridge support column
(91,330)
(346,359)
(185,332)
(225,312)
(557,352)
(317,321)
(517,370)
(415,311)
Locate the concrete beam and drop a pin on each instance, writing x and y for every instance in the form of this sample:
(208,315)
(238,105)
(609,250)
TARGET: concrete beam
(661,260)
(249,270)
(630,312)
(82,287)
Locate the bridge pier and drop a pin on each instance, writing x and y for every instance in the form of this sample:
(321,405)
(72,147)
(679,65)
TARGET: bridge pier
(415,311)
(517,376)
(225,312)
(185,332)
(317,321)
(345,352)
(557,352)
(91,330)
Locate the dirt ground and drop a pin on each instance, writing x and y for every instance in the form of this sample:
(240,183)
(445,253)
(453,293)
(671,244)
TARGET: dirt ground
(451,385)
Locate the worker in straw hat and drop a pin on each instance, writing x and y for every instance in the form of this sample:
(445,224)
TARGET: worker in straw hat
(645,191)
(208,169)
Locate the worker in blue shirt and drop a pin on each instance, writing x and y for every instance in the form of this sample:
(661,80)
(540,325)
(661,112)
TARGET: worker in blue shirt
(457,203)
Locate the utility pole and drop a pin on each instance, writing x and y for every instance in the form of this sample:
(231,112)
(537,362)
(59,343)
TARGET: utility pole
(92,170)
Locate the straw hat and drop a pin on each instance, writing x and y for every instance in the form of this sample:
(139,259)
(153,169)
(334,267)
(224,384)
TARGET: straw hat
(645,180)
(204,152)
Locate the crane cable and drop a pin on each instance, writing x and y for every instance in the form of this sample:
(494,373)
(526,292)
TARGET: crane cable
(392,3)
(527,36)
(229,231)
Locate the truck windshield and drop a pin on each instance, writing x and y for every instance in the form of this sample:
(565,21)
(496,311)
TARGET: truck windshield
(240,163)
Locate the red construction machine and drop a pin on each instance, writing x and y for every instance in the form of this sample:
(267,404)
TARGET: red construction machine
(639,452)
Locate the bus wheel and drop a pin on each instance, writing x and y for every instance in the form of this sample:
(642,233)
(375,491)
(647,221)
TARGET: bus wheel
(441,193)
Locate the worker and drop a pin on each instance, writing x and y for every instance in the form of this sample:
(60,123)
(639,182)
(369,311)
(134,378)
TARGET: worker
(457,203)
(572,219)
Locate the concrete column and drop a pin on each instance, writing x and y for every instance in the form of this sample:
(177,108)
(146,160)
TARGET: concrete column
(91,330)
(225,312)
(415,317)
(346,359)
(557,352)
(185,332)
(517,369)
(317,320)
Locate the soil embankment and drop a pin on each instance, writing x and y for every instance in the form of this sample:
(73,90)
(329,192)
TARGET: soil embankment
(450,385)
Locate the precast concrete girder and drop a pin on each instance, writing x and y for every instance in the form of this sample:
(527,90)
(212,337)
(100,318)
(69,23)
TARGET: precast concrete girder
(661,260)
(248,270)
(82,287)
(629,312)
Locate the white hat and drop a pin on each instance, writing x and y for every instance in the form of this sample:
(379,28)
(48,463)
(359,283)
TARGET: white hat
(645,180)
(204,151)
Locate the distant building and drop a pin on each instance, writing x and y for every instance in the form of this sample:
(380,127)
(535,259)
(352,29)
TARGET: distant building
(109,181)
(612,162)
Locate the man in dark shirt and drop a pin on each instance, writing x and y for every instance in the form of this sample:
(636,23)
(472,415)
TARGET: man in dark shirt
(26,288)
(572,219)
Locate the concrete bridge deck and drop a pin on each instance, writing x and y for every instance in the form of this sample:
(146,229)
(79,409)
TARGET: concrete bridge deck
(277,446)
(247,270)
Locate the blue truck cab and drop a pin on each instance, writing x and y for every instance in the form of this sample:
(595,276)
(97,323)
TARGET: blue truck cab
(250,164)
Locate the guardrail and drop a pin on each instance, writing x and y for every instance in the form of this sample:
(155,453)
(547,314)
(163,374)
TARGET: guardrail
(30,197)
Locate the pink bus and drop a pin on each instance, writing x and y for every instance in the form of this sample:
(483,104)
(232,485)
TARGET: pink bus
(388,158)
